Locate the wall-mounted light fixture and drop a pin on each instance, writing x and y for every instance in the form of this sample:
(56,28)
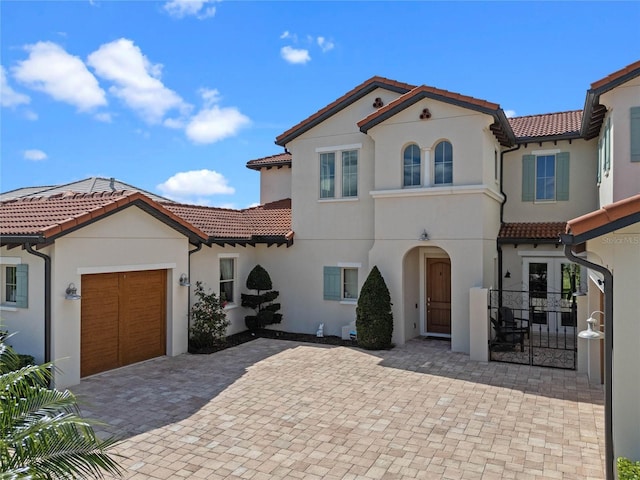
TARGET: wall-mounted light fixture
(508,274)
(593,329)
(71,293)
(184,280)
(424,235)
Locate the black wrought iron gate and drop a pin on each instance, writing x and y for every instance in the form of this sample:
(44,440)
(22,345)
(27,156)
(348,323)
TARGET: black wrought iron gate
(533,328)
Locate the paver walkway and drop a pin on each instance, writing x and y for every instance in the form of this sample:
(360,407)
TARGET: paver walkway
(273,409)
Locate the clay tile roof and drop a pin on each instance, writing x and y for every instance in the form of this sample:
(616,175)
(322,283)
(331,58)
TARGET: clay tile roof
(547,125)
(278,160)
(340,103)
(269,220)
(532,231)
(604,216)
(420,92)
(631,69)
(52,216)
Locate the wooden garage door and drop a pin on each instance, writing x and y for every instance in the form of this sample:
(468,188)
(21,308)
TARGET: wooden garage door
(123,319)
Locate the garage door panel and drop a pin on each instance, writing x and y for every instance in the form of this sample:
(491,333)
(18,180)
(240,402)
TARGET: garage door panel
(144,322)
(123,319)
(99,327)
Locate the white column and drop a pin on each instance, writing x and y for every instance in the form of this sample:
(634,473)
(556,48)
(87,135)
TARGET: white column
(426,166)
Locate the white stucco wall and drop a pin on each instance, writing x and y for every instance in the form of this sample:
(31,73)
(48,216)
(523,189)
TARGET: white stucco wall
(275,184)
(583,195)
(130,240)
(624,178)
(465,129)
(620,253)
(27,324)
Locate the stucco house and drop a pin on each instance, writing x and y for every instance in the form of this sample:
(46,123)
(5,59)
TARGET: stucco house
(440,190)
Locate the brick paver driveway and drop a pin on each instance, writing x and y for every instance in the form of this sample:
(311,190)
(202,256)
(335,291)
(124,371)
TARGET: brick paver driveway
(277,409)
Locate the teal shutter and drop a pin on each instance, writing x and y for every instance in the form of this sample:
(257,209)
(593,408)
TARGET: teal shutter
(332,290)
(528,177)
(635,134)
(22,285)
(562,176)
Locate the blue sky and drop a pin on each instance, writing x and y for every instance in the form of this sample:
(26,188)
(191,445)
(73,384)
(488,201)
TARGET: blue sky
(175,97)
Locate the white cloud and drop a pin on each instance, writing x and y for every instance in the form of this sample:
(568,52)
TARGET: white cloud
(295,55)
(214,123)
(50,69)
(103,117)
(324,44)
(31,115)
(510,113)
(35,155)
(185,8)
(288,35)
(8,96)
(136,80)
(192,186)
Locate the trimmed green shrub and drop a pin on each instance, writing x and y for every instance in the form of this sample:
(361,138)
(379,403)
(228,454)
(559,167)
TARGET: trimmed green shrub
(374,320)
(208,320)
(262,302)
(628,469)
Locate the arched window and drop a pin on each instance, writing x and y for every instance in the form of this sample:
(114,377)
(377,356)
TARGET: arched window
(443,171)
(411,166)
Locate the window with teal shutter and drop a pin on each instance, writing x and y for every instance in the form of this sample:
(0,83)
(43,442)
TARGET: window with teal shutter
(607,146)
(22,285)
(635,134)
(332,283)
(600,160)
(528,177)
(562,176)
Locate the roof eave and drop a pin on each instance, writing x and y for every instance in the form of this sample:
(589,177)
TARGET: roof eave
(282,140)
(270,165)
(549,138)
(22,239)
(612,226)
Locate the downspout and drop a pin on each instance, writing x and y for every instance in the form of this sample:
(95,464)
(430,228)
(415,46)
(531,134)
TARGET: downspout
(47,300)
(197,249)
(504,200)
(608,351)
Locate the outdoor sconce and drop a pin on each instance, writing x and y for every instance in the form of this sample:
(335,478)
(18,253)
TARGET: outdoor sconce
(508,274)
(592,333)
(184,280)
(424,235)
(71,293)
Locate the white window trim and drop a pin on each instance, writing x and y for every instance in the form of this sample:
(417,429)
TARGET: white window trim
(230,304)
(555,176)
(339,148)
(8,262)
(342,266)
(337,179)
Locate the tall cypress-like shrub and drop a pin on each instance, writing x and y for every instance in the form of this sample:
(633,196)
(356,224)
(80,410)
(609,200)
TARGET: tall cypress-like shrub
(262,302)
(374,320)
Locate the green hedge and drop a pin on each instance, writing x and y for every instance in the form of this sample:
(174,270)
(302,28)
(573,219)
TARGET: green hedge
(628,469)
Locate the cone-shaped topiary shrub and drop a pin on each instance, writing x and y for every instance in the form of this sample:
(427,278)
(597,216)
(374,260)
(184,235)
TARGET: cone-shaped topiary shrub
(262,302)
(374,320)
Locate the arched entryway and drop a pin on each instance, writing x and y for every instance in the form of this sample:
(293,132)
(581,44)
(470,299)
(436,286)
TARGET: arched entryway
(427,292)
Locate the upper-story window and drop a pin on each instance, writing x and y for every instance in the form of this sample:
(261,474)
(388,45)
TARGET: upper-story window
(604,151)
(344,173)
(411,166)
(545,176)
(443,164)
(327,175)
(350,173)
(635,134)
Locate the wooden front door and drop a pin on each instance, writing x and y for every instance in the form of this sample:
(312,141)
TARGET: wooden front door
(123,319)
(439,295)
